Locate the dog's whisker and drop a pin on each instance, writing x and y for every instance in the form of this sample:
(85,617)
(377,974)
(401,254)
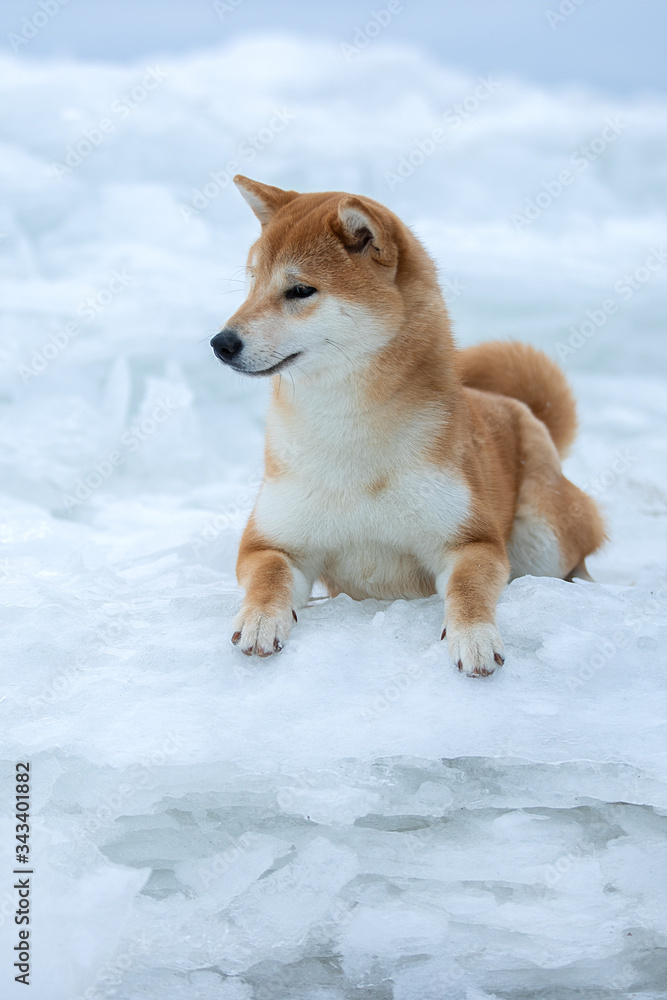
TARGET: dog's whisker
(305,374)
(343,352)
(350,316)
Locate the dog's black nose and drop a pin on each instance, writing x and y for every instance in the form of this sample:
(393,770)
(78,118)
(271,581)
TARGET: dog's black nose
(227,344)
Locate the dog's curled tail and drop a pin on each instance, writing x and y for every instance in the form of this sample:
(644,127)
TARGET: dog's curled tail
(519,370)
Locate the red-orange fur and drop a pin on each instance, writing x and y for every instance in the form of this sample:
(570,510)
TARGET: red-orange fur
(497,416)
(522,372)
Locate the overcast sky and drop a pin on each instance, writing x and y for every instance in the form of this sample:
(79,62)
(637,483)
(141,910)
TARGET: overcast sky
(614,45)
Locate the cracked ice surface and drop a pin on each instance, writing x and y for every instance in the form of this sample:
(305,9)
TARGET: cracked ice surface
(351,818)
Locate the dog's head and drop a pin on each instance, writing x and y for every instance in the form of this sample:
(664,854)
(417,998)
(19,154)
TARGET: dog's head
(325,283)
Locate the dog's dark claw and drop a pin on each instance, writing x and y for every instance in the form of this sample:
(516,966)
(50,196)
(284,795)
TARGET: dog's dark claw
(277,645)
(236,637)
(444,633)
(294,615)
(460,665)
(499,659)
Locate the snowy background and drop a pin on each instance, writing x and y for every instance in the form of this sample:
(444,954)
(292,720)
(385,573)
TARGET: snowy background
(351,818)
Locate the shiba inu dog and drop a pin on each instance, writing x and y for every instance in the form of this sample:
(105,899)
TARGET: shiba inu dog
(396,466)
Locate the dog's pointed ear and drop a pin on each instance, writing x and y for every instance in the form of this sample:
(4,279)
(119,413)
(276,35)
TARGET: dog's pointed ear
(362,231)
(263,199)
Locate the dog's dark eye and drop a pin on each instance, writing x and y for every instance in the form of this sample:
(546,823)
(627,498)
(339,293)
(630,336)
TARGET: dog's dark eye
(300,292)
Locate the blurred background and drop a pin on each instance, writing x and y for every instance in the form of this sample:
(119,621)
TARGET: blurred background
(524,142)
(613,45)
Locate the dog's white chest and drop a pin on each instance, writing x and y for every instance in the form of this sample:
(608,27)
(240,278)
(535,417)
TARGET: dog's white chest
(369,527)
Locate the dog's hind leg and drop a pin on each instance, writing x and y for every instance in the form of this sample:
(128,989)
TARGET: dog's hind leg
(579,572)
(556,525)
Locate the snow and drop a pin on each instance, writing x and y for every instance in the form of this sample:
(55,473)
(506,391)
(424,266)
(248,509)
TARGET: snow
(352,817)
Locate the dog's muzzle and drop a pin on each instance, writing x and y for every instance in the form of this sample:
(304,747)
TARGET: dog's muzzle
(227,345)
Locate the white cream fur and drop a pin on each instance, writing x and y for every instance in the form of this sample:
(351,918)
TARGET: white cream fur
(376,493)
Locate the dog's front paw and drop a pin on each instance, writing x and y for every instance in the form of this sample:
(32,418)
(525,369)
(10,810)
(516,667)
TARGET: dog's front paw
(262,632)
(477,650)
